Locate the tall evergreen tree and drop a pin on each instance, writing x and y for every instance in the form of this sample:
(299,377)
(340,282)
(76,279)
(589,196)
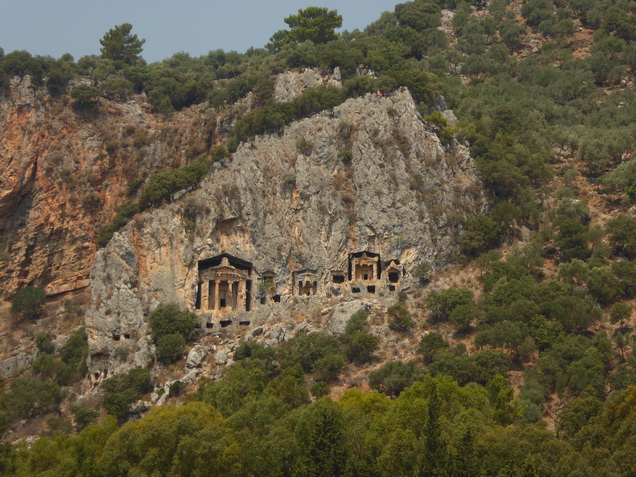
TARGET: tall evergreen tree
(120,45)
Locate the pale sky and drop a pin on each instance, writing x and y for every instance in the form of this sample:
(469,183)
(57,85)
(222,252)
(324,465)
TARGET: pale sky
(55,27)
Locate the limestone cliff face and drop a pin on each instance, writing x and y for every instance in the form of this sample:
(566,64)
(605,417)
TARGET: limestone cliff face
(369,176)
(63,171)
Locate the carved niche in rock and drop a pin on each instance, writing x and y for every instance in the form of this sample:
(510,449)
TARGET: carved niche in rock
(305,283)
(364,266)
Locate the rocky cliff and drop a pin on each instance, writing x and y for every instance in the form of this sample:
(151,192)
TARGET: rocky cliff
(292,214)
(63,171)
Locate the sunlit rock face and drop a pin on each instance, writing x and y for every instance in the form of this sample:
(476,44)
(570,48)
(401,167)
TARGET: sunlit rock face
(342,204)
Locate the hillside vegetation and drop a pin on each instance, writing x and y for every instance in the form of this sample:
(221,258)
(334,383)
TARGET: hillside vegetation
(525,364)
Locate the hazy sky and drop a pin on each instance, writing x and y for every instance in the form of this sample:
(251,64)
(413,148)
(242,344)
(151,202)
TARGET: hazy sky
(55,27)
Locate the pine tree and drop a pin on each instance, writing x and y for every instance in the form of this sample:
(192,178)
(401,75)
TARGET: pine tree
(120,45)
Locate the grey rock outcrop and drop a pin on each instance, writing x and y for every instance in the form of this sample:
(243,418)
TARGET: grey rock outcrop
(370,177)
(223,356)
(15,364)
(195,356)
(291,84)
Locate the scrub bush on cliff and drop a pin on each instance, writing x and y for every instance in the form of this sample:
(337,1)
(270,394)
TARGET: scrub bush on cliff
(400,318)
(163,186)
(85,96)
(27,303)
(172,328)
(123,390)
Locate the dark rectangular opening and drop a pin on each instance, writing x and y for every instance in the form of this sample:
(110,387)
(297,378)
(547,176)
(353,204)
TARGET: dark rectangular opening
(244,323)
(248,295)
(197,303)
(116,337)
(371,289)
(276,298)
(365,276)
(225,323)
(127,336)
(391,287)
(263,300)
(222,302)
(209,326)
(394,277)
(355,290)
(338,278)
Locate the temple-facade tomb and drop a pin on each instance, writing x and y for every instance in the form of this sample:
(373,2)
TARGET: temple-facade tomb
(225,285)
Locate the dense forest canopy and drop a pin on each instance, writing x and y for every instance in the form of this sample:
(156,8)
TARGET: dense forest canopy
(544,95)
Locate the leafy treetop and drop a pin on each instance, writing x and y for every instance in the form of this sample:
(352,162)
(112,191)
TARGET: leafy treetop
(120,45)
(316,24)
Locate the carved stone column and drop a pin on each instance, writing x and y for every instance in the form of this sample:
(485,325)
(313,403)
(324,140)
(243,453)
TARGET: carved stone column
(215,303)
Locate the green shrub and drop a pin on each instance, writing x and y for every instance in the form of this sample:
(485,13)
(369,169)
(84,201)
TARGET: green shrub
(304,147)
(137,380)
(220,152)
(310,351)
(329,366)
(357,345)
(441,304)
(622,235)
(58,79)
(572,238)
(254,350)
(84,416)
(357,321)
(626,273)
(244,380)
(28,301)
(290,387)
(43,343)
(47,366)
(537,11)
(319,389)
(506,334)
(124,213)
(430,344)
(394,377)
(463,315)
(481,234)
(170,348)
(456,363)
(123,390)
(274,116)
(117,89)
(399,318)
(422,271)
(345,156)
(444,132)
(85,96)
(619,312)
(29,397)
(361,347)
(75,351)
(169,319)
(163,186)
(175,389)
